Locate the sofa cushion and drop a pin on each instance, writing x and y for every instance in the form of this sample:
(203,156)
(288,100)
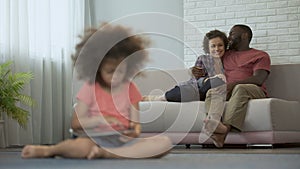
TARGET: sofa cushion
(263,115)
(160,116)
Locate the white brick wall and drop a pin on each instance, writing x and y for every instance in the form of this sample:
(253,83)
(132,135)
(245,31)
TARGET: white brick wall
(275,25)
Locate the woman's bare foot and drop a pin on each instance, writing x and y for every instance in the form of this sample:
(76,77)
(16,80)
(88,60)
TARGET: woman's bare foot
(154,98)
(34,151)
(96,152)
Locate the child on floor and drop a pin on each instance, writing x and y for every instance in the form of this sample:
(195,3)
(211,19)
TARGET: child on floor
(108,101)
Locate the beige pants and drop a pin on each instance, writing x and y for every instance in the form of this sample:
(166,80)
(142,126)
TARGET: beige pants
(215,102)
(236,108)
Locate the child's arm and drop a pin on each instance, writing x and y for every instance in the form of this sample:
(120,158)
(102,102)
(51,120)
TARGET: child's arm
(134,121)
(135,113)
(81,119)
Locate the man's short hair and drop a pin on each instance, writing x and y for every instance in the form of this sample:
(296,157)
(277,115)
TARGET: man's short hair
(247,30)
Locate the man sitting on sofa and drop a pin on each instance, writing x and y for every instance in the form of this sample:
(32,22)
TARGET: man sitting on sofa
(246,70)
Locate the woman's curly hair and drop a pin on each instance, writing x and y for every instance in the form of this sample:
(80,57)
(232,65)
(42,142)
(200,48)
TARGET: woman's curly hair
(109,41)
(214,34)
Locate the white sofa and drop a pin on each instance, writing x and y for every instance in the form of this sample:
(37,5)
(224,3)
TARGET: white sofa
(273,120)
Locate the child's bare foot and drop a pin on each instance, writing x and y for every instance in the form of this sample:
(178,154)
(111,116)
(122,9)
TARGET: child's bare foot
(96,152)
(33,151)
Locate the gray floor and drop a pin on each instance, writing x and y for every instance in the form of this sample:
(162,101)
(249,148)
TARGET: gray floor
(196,157)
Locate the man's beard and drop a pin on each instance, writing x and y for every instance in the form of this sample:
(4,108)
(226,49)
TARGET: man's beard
(233,45)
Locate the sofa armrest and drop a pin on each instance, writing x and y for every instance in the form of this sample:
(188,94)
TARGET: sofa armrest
(272,114)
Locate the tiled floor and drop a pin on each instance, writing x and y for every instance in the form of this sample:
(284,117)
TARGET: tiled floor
(183,160)
(210,149)
(197,149)
(230,157)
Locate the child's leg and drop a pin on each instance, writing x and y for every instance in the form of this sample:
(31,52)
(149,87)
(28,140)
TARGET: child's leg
(77,148)
(153,147)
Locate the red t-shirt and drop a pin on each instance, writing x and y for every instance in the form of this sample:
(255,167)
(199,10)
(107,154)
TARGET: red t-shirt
(239,65)
(117,105)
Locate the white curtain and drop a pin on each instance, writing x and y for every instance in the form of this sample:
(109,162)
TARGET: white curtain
(39,36)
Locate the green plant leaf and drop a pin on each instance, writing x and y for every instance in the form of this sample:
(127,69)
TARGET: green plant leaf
(11,87)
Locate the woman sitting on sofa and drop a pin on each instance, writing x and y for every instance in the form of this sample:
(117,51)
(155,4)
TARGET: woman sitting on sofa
(206,73)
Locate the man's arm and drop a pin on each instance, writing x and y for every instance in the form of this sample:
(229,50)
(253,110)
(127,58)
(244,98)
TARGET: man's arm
(258,78)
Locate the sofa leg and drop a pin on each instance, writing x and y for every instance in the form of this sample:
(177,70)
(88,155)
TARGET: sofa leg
(260,146)
(187,146)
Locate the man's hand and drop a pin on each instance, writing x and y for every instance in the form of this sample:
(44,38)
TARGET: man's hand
(230,87)
(258,78)
(198,72)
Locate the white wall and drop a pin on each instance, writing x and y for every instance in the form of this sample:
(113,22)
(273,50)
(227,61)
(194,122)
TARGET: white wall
(163,25)
(275,24)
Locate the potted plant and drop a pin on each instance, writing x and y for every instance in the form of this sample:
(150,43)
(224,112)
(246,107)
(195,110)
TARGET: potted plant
(11,86)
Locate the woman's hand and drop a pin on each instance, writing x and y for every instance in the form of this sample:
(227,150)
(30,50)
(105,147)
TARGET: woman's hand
(197,72)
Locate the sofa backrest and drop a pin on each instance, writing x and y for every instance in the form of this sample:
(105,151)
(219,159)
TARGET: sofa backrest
(157,81)
(283,81)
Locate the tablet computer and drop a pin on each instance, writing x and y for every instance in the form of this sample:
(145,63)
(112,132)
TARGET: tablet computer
(97,132)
